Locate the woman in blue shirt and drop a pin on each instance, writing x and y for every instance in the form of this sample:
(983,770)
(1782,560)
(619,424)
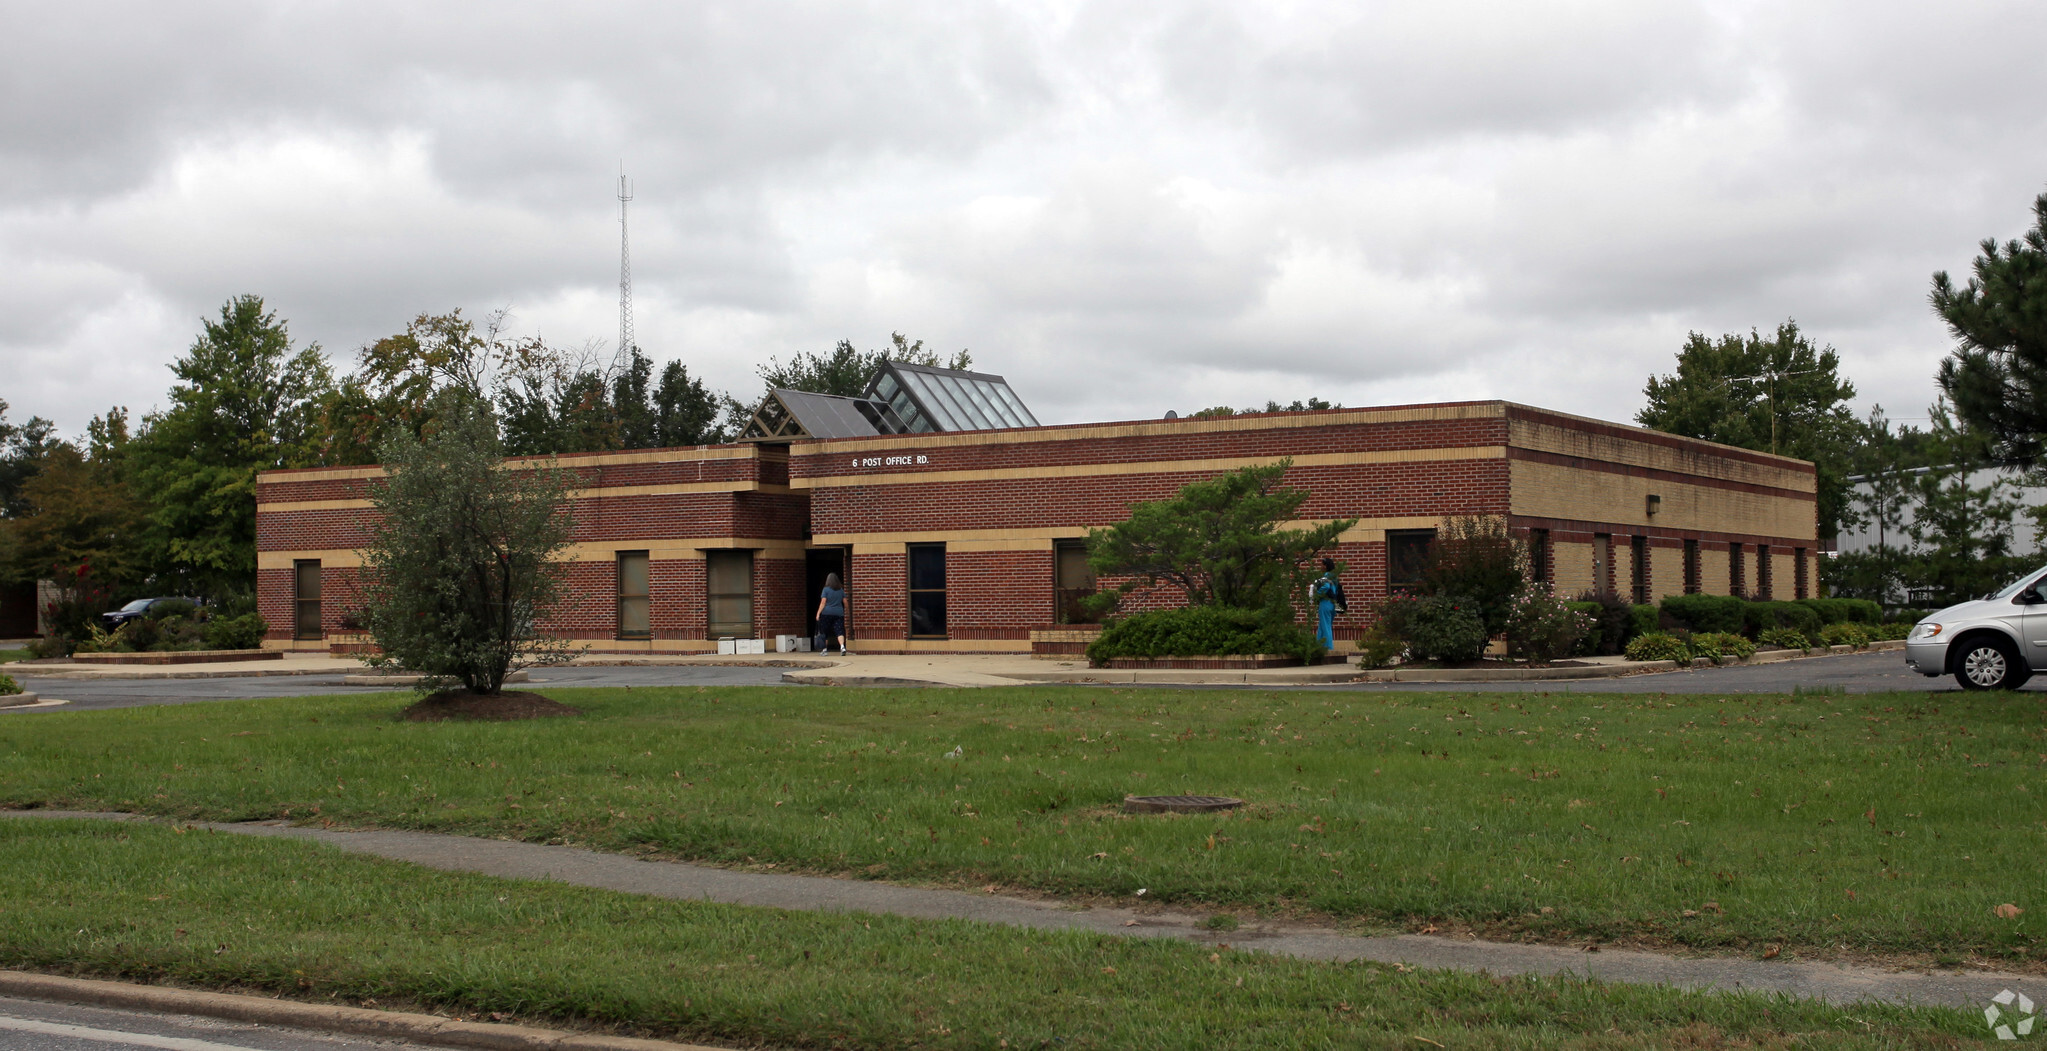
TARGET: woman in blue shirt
(831,614)
(1328,594)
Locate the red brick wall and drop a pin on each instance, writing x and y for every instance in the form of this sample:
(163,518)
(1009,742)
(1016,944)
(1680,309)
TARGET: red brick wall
(778,597)
(877,596)
(677,600)
(998,594)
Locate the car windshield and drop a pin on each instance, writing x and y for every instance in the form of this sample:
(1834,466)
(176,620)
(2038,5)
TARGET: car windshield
(137,606)
(2016,586)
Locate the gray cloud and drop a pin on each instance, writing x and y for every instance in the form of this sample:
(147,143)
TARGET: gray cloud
(1123,208)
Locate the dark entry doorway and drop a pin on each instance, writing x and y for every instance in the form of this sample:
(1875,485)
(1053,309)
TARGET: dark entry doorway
(817,562)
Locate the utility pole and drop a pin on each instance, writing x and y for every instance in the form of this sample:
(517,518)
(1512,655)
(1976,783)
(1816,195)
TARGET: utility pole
(623,359)
(1772,376)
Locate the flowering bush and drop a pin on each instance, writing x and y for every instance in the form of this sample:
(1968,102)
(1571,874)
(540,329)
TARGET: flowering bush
(1542,627)
(1658,646)
(1379,646)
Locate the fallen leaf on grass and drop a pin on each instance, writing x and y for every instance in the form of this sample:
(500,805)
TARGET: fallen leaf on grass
(2007,911)
(1712,907)
(1689,913)
(1771,952)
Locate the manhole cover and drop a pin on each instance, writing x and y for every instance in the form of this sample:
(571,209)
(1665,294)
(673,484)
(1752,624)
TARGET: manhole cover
(1178,804)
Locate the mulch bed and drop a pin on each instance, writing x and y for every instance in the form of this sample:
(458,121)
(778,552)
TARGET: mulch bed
(500,707)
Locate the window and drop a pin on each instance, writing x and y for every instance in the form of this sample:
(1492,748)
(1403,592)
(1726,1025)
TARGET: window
(1539,556)
(1602,563)
(1407,551)
(1737,579)
(1798,578)
(633,596)
(1692,585)
(729,588)
(1763,572)
(927,590)
(1639,571)
(305,588)
(1074,580)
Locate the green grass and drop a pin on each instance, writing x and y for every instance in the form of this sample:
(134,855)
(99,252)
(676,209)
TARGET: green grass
(10,656)
(1888,823)
(215,910)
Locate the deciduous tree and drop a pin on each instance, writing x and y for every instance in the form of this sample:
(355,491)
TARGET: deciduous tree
(464,558)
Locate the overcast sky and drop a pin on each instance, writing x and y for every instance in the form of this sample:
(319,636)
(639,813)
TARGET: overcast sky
(1125,208)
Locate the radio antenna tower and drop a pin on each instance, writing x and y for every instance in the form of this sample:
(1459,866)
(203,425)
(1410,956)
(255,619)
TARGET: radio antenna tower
(623,359)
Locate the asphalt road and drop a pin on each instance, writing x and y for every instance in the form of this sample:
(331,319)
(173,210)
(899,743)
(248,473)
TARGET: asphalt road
(33,1025)
(1875,672)
(1849,673)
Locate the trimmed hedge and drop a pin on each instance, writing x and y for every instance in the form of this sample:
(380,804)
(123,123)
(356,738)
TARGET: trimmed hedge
(1762,616)
(1845,610)
(1696,613)
(1202,631)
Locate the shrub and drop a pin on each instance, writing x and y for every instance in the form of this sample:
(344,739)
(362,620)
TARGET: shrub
(236,633)
(1718,613)
(172,607)
(1785,637)
(1725,644)
(51,646)
(1845,634)
(1643,619)
(1657,646)
(1891,631)
(1759,617)
(1202,631)
(1705,644)
(1378,646)
(8,687)
(1614,622)
(1843,610)
(1478,561)
(1445,629)
(1542,627)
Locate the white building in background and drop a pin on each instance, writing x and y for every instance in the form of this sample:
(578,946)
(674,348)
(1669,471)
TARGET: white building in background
(2025,536)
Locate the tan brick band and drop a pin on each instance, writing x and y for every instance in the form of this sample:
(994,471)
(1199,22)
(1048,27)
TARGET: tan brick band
(432,1030)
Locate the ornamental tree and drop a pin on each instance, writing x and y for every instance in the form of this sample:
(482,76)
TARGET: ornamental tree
(466,552)
(1997,375)
(1220,541)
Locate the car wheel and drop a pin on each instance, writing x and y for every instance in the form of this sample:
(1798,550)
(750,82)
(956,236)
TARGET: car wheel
(1989,664)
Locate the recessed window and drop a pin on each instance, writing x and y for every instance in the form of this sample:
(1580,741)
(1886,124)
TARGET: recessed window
(305,585)
(1737,575)
(1407,554)
(1602,563)
(927,591)
(1640,570)
(1800,583)
(1074,581)
(1692,567)
(1763,573)
(729,590)
(634,615)
(1539,556)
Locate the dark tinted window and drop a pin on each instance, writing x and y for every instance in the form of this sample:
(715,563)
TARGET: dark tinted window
(1407,551)
(927,590)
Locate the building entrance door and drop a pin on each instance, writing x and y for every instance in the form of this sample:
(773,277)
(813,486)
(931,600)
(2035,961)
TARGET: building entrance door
(817,563)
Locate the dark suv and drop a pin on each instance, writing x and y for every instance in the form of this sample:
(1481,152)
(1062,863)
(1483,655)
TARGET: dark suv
(136,610)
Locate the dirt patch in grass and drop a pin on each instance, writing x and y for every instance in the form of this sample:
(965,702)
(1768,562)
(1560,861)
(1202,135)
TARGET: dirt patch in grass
(486,707)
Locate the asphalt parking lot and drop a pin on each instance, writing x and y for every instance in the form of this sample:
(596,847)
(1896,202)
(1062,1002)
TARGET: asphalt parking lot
(1848,673)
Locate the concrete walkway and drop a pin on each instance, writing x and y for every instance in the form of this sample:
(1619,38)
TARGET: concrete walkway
(1965,989)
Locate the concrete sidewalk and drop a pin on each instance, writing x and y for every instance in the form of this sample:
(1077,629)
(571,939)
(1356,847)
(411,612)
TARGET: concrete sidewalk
(1965,989)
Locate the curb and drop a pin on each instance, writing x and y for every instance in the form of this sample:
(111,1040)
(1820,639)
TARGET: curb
(407,679)
(432,1030)
(77,672)
(23,699)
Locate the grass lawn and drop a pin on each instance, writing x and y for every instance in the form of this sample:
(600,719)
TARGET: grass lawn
(1844,824)
(10,656)
(216,910)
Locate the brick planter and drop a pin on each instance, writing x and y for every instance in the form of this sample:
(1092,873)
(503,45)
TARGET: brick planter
(179,657)
(1066,640)
(1261,660)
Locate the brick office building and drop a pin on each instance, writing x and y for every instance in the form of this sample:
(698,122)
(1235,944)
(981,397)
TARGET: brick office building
(965,540)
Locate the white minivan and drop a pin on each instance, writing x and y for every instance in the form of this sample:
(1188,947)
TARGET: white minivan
(1993,643)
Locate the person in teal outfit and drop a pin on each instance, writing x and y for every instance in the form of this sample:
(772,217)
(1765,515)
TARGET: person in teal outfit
(1328,595)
